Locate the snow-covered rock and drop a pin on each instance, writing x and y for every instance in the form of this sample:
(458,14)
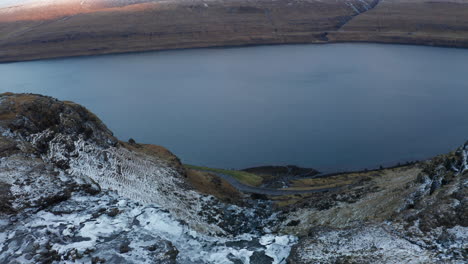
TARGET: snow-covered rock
(72,193)
(428,225)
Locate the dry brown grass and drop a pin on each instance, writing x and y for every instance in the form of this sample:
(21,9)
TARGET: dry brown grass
(332,181)
(155,151)
(437,22)
(210,184)
(188,24)
(288,200)
(171,25)
(380,197)
(15,102)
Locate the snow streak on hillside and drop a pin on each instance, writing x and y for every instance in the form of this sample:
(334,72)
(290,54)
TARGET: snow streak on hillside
(144,214)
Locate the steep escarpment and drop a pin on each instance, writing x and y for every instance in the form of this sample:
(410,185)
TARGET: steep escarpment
(67,137)
(413,214)
(72,192)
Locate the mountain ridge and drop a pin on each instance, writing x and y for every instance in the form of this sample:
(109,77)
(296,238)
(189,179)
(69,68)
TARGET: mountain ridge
(162,25)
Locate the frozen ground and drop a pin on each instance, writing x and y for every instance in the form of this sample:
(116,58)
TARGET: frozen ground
(72,194)
(119,230)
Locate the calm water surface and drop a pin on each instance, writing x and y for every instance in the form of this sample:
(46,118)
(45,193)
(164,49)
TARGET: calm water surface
(331,107)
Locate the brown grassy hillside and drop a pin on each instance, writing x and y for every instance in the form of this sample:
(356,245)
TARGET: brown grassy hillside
(35,32)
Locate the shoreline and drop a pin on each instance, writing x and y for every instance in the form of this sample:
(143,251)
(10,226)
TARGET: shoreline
(266,188)
(234,46)
(175,25)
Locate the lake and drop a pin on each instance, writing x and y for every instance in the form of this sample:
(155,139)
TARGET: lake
(331,107)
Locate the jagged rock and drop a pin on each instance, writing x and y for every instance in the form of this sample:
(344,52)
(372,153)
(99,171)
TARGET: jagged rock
(124,248)
(431,225)
(365,244)
(79,146)
(30,114)
(260,258)
(71,192)
(5,199)
(33,184)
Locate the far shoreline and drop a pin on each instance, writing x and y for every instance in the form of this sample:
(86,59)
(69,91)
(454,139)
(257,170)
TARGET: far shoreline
(234,46)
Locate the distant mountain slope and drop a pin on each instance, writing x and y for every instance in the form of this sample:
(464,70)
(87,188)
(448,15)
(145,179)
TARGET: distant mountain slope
(440,22)
(34,29)
(37,10)
(58,28)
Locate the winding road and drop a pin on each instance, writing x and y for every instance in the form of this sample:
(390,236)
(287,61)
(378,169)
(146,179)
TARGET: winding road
(266,191)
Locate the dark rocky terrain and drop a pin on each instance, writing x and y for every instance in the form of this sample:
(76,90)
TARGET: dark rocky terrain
(72,28)
(72,192)
(414,214)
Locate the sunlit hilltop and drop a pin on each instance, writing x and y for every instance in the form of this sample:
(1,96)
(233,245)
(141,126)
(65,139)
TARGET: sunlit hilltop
(30,10)
(12,3)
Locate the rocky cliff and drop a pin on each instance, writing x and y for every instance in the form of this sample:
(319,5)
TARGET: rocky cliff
(72,192)
(412,214)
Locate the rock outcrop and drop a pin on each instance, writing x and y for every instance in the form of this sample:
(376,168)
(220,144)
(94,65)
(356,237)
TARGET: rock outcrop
(423,220)
(71,192)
